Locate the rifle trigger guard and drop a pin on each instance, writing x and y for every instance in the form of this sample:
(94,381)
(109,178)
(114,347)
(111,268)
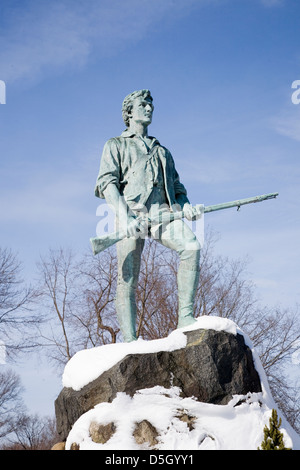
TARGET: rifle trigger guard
(238,208)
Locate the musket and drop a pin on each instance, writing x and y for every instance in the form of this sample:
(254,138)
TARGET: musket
(101,243)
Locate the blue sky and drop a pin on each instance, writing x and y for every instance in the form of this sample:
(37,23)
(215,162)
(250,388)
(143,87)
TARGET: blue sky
(221,74)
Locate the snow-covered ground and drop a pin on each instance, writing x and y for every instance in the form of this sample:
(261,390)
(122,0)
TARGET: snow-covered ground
(214,427)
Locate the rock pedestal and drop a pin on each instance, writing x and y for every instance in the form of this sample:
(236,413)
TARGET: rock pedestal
(212,367)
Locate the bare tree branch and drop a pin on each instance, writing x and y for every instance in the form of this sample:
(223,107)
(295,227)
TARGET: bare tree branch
(17,316)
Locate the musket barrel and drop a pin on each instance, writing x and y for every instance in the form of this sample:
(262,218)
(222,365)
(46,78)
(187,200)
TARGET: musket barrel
(240,202)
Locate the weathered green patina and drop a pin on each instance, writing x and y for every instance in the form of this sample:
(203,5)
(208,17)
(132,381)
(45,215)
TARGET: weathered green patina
(137,171)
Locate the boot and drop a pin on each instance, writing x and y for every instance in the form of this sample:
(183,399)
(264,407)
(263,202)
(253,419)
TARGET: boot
(126,313)
(187,281)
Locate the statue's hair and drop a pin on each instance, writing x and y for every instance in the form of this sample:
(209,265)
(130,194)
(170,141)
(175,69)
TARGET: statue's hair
(128,103)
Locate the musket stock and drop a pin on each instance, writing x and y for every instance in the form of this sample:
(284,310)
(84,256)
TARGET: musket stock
(101,243)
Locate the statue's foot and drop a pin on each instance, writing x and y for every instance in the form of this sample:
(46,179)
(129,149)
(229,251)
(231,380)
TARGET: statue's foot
(185,321)
(129,339)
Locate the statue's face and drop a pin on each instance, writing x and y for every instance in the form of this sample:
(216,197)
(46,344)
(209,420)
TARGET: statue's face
(142,110)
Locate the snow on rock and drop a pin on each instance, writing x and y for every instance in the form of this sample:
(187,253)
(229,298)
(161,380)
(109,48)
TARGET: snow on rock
(214,427)
(88,364)
(235,426)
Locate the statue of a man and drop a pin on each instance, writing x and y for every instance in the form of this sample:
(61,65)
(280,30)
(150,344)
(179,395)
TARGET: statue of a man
(137,171)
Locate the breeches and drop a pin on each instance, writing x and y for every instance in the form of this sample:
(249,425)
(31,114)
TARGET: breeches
(176,235)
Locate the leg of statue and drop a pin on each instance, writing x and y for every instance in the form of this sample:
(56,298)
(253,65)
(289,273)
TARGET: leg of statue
(187,281)
(129,253)
(178,236)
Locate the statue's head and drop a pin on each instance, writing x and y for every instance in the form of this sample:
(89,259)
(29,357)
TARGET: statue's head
(128,102)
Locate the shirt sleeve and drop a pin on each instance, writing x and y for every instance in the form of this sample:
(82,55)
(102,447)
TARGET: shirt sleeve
(179,189)
(110,168)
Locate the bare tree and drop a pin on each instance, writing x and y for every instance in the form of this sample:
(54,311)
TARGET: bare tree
(11,404)
(58,290)
(96,312)
(156,297)
(32,433)
(17,316)
(78,295)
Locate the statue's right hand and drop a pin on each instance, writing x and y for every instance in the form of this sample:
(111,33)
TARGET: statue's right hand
(136,227)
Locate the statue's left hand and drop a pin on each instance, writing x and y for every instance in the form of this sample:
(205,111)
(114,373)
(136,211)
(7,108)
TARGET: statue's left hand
(193,213)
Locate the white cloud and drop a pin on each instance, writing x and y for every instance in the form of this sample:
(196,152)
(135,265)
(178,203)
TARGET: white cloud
(288,124)
(39,36)
(44,202)
(42,36)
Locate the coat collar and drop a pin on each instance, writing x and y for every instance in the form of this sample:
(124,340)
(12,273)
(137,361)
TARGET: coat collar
(128,133)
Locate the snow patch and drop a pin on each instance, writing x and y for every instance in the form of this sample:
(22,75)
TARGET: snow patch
(88,364)
(235,426)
